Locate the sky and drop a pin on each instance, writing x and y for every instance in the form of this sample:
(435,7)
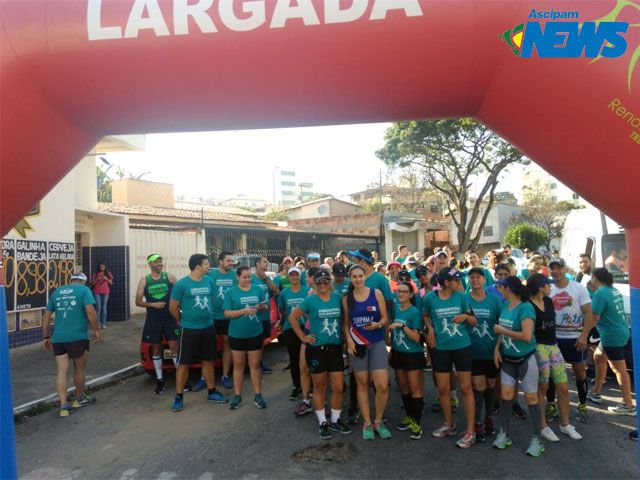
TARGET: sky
(339,160)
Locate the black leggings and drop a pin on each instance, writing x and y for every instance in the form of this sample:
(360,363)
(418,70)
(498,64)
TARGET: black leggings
(293,344)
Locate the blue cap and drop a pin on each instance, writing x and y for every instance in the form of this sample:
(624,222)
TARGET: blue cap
(313,256)
(363,254)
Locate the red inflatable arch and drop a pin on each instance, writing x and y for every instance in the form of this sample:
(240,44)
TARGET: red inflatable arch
(74,71)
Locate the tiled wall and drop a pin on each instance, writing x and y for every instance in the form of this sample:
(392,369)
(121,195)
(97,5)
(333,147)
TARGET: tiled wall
(117,261)
(27,326)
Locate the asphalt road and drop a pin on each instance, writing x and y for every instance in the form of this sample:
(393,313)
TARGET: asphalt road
(131,434)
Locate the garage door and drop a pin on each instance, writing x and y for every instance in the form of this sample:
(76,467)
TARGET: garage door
(410,239)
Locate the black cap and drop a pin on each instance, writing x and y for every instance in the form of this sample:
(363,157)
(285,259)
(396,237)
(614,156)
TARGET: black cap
(406,275)
(477,270)
(422,270)
(448,273)
(558,261)
(339,269)
(321,273)
(536,281)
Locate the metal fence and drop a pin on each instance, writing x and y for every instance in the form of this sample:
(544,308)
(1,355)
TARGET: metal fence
(273,244)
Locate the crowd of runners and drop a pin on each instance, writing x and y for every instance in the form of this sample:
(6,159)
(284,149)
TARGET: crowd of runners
(484,329)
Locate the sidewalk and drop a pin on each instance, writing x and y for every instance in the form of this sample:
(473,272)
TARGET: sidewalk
(33,368)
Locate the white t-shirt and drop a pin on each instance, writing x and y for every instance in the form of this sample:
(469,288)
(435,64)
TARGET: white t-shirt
(567,302)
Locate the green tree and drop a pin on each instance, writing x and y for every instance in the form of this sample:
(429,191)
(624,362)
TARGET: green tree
(525,235)
(543,210)
(276,216)
(104,180)
(450,156)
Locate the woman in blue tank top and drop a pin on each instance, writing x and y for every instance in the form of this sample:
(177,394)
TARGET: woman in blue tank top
(365,315)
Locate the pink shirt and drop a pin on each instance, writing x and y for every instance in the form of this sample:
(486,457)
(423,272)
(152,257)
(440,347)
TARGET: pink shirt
(100,284)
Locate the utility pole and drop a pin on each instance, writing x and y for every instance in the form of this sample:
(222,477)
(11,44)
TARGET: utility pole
(381,226)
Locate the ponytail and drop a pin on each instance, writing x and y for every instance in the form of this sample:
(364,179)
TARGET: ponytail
(515,285)
(604,276)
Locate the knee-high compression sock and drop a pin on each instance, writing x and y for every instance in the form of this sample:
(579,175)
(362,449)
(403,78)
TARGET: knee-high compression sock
(479,396)
(534,414)
(406,403)
(489,400)
(581,386)
(157,365)
(417,406)
(551,392)
(505,415)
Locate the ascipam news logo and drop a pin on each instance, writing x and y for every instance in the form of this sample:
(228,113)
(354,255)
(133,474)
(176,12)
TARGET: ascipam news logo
(559,34)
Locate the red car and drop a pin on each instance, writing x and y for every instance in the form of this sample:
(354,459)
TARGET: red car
(167,361)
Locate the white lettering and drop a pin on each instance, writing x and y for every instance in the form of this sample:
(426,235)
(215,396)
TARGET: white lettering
(381,7)
(228,16)
(285,11)
(198,11)
(154,21)
(95,29)
(333,13)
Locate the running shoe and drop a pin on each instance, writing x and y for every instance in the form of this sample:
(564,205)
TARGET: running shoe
(518,412)
(187,387)
(323,430)
(178,404)
(216,397)
(65,410)
(466,440)
(623,410)
(594,397)
(259,402)
(535,447)
(236,401)
(502,441)
(159,387)
(303,408)
(480,433)
(353,416)
(571,431)
(436,408)
(549,434)
(295,394)
(199,385)
(382,430)
(83,400)
(416,431)
(226,382)
(550,411)
(633,435)
(489,427)
(455,404)
(582,414)
(367,432)
(445,430)
(266,370)
(405,424)
(340,427)
(287,368)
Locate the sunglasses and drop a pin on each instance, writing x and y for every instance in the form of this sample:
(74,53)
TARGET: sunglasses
(323,281)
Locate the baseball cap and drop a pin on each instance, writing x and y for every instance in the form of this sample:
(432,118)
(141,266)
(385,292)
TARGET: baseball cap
(411,261)
(448,273)
(422,270)
(294,270)
(313,256)
(476,270)
(79,276)
(559,261)
(405,275)
(441,253)
(320,274)
(391,264)
(536,281)
(287,259)
(339,270)
(363,254)
(153,257)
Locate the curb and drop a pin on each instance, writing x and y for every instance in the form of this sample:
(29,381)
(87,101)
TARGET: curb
(103,381)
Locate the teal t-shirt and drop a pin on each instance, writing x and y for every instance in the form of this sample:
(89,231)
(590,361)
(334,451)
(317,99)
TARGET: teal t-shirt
(341,288)
(512,319)
(263,315)
(325,318)
(488,278)
(196,299)
(412,318)
(68,302)
(222,282)
(449,335)
(483,338)
(379,281)
(288,300)
(612,326)
(246,326)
